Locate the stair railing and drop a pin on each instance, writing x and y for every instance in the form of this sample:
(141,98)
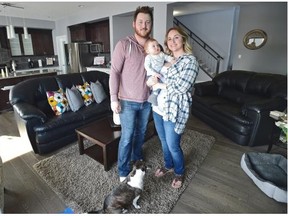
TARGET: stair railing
(209,60)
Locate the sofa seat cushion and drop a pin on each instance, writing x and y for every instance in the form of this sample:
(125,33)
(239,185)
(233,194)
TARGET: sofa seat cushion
(57,133)
(232,111)
(213,113)
(63,120)
(95,109)
(230,115)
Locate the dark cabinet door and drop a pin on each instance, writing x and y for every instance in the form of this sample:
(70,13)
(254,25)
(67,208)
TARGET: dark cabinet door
(98,32)
(42,41)
(78,33)
(3,38)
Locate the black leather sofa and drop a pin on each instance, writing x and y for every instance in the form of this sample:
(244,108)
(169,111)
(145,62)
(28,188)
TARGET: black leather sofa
(238,103)
(35,118)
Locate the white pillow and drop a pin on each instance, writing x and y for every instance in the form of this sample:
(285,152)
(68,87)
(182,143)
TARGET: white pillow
(98,91)
(74,98)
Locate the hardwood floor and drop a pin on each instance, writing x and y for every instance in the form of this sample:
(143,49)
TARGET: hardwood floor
(220,185)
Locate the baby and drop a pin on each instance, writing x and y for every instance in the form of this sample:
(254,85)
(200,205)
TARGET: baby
(154,61)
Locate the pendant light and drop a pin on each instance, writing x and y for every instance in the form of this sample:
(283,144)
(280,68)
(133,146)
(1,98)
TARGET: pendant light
(25,32)
(8,32)
(12,30)
(7,25)
(25,29)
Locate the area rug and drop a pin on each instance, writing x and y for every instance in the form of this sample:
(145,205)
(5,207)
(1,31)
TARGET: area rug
(82,183)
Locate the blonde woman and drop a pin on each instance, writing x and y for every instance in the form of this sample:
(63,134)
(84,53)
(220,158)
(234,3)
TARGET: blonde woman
(174,101)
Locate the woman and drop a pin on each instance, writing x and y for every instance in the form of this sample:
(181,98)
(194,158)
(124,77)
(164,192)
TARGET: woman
(174,101)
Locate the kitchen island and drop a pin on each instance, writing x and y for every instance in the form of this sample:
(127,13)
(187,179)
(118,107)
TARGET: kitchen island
(102,69)
(7,82)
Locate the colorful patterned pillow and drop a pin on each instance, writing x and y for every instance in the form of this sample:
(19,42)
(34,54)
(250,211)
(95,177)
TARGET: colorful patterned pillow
(58,101)
(86,93)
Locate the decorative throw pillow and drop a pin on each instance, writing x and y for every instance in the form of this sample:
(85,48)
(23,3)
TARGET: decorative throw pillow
(58,101)
(86,93)
(74,98)
(98,91)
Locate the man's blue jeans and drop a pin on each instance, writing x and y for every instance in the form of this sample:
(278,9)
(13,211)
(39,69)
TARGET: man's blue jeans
(170,141)
(134,118)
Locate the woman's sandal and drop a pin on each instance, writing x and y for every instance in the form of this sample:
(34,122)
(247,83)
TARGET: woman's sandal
(162,171)
(177,181)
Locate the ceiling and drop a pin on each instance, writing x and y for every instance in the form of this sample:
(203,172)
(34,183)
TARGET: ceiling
(56,10)
(45,10)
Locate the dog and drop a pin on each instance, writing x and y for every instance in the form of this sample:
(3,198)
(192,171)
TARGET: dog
(127,193)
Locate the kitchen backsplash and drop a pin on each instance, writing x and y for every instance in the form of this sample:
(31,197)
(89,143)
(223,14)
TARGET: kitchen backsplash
(4,56)
(22,61)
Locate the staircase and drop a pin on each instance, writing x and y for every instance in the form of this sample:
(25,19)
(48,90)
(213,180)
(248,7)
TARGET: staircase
(209,60)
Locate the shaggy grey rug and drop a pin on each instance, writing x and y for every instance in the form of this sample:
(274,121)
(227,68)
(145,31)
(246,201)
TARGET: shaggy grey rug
(83,184)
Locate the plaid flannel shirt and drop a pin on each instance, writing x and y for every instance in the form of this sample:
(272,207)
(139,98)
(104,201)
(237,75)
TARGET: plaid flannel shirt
(180,79)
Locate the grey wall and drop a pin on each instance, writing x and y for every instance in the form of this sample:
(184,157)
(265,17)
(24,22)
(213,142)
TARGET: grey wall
(271,58)
(214,28)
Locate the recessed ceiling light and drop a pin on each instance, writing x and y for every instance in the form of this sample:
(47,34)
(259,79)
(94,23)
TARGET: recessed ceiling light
(81,6)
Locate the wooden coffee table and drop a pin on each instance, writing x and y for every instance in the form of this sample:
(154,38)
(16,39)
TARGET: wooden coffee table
(105,138)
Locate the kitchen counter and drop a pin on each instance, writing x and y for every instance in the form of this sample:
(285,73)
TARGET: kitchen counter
(38,69)
(31,72)
(102,69)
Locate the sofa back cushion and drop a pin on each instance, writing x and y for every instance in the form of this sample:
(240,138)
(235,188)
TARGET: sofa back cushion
(69,80)
(268,85)
(236,80)
(93,76)
(33,91)
(245,86)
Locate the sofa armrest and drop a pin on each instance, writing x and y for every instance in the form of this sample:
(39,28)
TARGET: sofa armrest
(263,124)
(206,88)
(28,111)
(264,105)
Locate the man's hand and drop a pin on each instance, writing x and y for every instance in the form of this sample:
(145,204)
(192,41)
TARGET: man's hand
(116,107)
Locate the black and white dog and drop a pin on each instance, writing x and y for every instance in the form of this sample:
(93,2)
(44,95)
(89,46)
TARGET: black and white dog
(127,192)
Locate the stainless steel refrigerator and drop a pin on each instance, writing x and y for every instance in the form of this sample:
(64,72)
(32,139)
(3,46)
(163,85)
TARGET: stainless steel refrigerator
(78,57)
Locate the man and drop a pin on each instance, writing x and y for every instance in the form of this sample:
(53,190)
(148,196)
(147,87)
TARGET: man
(129,92)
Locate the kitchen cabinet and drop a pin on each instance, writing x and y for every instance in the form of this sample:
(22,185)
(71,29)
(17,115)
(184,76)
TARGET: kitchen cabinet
(78,33)
(96,32)
(42,41)
(3,38)
(39,42)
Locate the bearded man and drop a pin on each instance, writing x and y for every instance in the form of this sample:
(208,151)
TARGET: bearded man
(129,92)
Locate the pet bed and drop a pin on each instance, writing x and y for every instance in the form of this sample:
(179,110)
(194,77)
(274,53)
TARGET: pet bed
(268,172)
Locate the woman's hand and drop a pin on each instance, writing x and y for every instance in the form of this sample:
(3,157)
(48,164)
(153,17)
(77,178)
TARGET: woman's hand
(151,81)
(159,86)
